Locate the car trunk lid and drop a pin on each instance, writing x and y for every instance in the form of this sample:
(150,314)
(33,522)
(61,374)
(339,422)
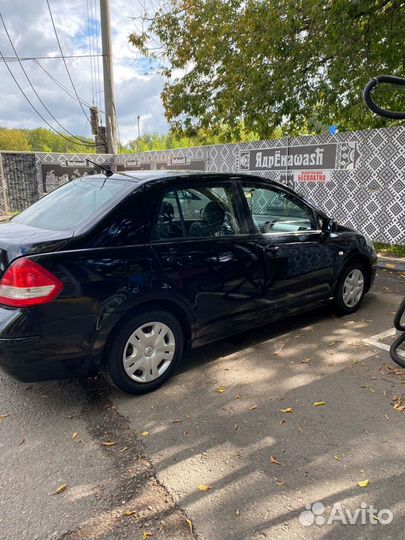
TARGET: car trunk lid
(17,240)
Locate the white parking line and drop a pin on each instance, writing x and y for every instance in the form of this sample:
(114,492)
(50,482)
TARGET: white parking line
(375,341)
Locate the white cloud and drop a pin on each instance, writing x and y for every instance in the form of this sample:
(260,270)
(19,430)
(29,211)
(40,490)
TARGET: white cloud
(137,89)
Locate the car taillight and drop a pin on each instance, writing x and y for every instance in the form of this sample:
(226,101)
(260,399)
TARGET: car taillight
(25,283)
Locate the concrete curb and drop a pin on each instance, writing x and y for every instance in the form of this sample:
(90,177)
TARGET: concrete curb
(391,264)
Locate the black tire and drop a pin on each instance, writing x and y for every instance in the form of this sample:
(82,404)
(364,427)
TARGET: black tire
(341,307)
(400,360)
(398,317)
(114,362)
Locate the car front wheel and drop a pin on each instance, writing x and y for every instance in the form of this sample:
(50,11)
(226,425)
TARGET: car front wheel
(350,289)
(145,352)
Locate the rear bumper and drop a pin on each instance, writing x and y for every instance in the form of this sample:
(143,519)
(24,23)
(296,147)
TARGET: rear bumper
(30,354)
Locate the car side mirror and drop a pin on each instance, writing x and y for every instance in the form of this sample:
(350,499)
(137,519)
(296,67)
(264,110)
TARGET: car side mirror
(329,224)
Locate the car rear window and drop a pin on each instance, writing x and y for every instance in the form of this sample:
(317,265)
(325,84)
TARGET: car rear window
(71,205)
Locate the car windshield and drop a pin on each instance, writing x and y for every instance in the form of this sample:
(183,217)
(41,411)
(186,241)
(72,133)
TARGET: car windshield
(71,205)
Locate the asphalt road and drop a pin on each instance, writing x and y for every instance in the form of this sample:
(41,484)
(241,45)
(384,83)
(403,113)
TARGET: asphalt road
(133,467)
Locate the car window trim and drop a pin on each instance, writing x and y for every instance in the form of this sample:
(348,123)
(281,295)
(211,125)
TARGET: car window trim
(193,239)
(180,211)
(289,233)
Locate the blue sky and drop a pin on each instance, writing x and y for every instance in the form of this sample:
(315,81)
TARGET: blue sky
(137,88)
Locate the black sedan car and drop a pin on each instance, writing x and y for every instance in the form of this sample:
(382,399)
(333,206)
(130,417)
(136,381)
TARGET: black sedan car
(122,273)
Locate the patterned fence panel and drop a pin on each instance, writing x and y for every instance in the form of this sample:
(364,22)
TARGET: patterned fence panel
(356,177)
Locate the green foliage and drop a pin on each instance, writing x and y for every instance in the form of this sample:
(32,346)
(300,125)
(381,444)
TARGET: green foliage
(14,139)
(390,250)
(294,65)
(199,137)
(39,140)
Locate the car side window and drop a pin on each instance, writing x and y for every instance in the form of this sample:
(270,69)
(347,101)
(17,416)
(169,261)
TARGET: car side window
(169,223)
(276,211)
(198,212)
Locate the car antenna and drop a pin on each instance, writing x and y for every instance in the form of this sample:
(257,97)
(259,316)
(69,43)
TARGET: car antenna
(107,170)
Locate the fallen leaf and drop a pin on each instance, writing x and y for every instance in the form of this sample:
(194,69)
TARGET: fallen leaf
(306,361)
(367,387)
(283,421)
(237,512)
(178,421)
(253,407)
(3,416)
(220,389)
(319,403)
(190,525)
(363,483)
(108,443)
(129,513)
(146,535)
(280,482)
(338,458)
(287,410)
(204,487)
(74,435)
(21,442)
(144,433)
(60,489)
(274,460)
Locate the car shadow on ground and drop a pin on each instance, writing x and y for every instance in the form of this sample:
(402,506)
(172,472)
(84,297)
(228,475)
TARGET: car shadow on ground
(219,422)
(238,404)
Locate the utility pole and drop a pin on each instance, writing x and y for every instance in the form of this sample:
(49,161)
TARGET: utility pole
(139,126)
(110,115)
(98,131)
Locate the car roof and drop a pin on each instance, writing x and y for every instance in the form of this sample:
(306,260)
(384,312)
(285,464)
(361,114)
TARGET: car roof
(144,176)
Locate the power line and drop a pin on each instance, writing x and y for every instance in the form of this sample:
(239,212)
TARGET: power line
(65,63)
(36,110)
(55,57)
(62,86)
(33,87)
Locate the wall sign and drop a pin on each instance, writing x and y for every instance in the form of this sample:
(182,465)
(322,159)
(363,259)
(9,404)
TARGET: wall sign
(182,163)
(54,175)
(309,163)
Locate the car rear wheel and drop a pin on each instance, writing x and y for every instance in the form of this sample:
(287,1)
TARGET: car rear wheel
(145,352)
(350,289)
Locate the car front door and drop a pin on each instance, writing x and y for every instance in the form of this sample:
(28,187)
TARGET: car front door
(207,256)
(297,259)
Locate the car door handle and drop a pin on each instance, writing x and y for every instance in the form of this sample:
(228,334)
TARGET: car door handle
(179,261)
(271,249)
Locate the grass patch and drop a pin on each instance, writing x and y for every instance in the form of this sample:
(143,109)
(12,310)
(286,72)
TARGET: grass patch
(389,250)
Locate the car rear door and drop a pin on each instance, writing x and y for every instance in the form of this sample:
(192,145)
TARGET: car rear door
(297,260)
(211,263)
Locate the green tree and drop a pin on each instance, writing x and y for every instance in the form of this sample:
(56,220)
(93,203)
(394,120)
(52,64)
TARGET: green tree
(41,140)
(259,65)
(14,139)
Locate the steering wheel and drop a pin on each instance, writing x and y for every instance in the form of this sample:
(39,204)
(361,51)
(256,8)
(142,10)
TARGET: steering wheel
(268,226)
(229,221)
